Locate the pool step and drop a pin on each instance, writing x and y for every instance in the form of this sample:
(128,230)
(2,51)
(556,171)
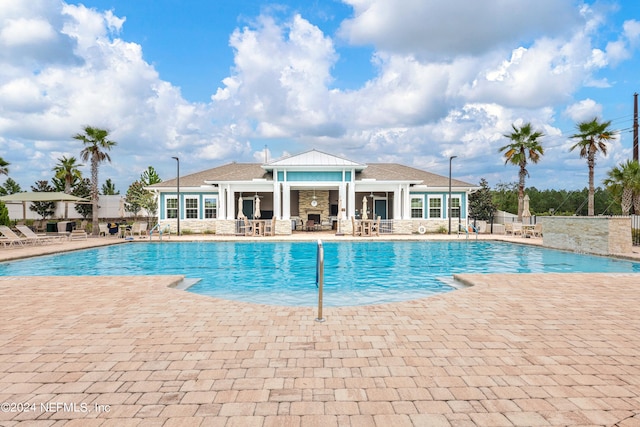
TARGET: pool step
(186,283)
(452,281)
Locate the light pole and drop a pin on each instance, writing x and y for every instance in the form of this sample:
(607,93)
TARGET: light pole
(449,201)
(178,188)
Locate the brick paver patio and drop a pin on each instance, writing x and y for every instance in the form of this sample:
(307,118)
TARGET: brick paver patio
(513,350)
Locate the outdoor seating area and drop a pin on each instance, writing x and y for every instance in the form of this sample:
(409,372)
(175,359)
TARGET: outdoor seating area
(258,227)
(365,227)
(123,230)
(29,237)
(523,230)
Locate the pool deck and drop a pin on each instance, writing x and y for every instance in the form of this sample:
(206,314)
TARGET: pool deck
(512,350)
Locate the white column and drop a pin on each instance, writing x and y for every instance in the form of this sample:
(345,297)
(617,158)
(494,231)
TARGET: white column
(351,200)
(230,204)
(342,195)
(406,202)
(222,203)
(276,199)
(286,201)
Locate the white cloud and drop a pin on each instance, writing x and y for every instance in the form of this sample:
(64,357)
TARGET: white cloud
(584,110)
(442,86)
(437,29)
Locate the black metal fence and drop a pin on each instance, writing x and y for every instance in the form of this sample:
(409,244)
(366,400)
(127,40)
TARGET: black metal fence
(635,230)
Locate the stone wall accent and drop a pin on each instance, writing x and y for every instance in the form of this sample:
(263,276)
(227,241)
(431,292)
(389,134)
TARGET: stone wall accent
(322,208)
(222,227)
(594,235)
(195,226)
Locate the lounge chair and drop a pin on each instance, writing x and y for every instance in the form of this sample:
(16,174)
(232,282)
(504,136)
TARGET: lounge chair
(78,235)
(139,228)
(37,238)
(9,238)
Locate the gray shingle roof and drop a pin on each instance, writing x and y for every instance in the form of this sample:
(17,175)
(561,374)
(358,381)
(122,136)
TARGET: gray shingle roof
(250,171)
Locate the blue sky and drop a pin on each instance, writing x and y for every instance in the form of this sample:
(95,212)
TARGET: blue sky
(412,82)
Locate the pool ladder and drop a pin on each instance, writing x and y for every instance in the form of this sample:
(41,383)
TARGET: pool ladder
(320,278)
(160,229)
(467,229)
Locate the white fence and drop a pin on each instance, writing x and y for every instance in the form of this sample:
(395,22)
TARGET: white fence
(108,207)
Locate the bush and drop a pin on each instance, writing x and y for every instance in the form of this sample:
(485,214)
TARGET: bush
(4,215)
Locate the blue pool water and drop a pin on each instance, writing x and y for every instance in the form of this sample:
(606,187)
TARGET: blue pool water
(283,273)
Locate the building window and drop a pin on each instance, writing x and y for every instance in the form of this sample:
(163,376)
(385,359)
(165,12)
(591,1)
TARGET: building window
(417,207)
(210,208)
(191,207)
(171,207)
(455,207)
(435,207)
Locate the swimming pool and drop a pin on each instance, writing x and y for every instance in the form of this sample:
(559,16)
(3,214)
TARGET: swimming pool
(283,273)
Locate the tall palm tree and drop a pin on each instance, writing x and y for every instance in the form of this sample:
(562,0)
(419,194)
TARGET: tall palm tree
(67,171)
(592,136)
(4,167)
(624,182)
(524,147)
(96,150)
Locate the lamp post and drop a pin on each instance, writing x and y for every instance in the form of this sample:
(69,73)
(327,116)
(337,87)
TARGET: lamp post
(178,191)
(449,201)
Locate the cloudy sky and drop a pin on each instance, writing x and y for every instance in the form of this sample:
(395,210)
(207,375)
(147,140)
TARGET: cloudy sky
(408,81)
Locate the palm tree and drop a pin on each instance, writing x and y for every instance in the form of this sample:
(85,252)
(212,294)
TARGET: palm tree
(96,147)
(4,167)
(524,146)
(67,171)
(592,136)
(624,182)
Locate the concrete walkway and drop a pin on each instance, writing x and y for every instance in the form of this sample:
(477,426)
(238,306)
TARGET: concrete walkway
(513,350)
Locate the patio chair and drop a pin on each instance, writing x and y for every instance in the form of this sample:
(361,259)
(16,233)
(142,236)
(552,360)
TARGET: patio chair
(38,238)
(356,227)
(311,225)
(9,238)
(536,231)
(270,227)
(375,227)
(248,227)
(517,229)
(104,229)
(508,228)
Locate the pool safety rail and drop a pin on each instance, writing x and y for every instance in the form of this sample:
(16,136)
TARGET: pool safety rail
(161,229)
(467,229)
(320,278)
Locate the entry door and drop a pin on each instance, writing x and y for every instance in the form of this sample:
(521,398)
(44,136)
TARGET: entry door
(380,209)
(247,208)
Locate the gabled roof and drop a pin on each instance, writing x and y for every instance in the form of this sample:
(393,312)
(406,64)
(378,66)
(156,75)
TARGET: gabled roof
(314,158)
(229,172)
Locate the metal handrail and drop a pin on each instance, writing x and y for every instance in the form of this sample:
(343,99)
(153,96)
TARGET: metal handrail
(320,278)
(161,229)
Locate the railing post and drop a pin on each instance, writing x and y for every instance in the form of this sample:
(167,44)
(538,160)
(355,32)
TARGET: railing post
(320,278)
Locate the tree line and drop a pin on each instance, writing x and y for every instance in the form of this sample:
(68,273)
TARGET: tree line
(68,178)
(621,188)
